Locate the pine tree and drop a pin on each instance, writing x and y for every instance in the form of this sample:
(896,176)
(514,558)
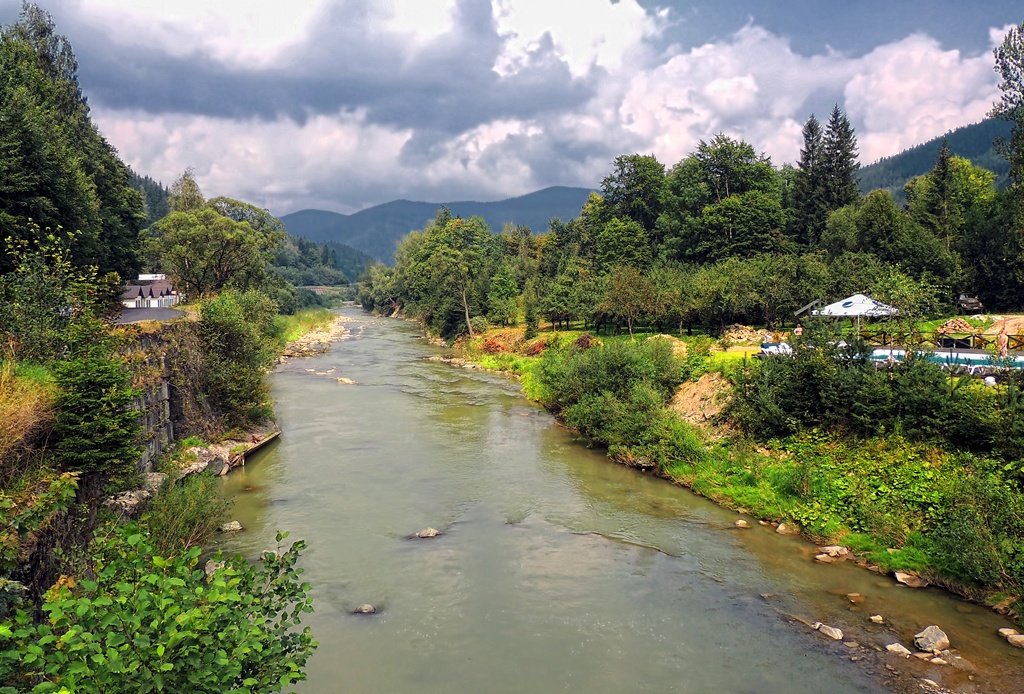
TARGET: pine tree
(809,211)
(938,197)
(839,163)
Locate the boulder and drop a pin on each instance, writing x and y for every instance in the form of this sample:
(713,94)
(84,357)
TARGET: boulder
(834,551)
(910,580)
(742,523)
(831,632)
(783,529)
(428,533)
(365,608)
(898,649)
(153,481)
(932,639)
(824,559)
(231,527)
(877,618)
(1016,640)
(1006,632)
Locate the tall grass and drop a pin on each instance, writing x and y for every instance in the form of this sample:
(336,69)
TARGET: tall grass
(293,327)
(26,409)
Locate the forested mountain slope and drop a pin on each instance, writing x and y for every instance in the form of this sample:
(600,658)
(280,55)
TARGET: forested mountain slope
(376,230)
(974,142)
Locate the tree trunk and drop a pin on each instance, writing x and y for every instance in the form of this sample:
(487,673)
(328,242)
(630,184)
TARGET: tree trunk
(465,307)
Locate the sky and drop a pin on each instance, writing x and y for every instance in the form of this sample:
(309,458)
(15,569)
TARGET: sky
(344,104)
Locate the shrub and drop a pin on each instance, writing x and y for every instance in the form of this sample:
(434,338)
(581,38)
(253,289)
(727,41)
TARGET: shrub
(96,431)
(238,334)
(185,514)
(148,623)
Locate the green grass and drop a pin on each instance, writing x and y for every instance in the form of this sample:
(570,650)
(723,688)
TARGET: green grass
(32,374)
(293,327)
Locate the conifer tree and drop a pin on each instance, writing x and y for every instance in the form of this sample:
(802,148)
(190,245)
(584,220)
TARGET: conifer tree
(810,213)
(839,162)
(938,196)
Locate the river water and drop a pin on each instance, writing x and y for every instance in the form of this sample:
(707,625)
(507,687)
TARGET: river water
(557,570)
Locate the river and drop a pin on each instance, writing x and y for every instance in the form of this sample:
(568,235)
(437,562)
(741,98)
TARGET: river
(557,570)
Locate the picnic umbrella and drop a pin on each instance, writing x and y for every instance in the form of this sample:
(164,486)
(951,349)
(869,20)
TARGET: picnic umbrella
(855,307)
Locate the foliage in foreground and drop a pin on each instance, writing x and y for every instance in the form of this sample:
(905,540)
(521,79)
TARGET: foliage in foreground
(148,623)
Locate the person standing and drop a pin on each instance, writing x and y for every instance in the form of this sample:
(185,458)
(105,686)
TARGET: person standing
(1003,341)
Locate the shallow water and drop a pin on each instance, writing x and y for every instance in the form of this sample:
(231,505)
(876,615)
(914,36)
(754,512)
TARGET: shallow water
(557,570)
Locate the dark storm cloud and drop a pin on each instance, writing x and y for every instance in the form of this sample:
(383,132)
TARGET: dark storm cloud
(445,86)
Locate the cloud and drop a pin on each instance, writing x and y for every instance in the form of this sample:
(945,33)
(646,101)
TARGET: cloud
(346,103)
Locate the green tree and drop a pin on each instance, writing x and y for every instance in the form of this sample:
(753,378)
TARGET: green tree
(185,194)
(622,242)
(206,252)
(503,295)
(741,225)
(238,338)
(810,212)
(634,189)
(630,295)
(839,161)
(142,622)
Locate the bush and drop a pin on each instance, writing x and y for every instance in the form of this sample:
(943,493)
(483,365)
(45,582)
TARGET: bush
(185,514)
(149,623)
(238,335)
(96,431)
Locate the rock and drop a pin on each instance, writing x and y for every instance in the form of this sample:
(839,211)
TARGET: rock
(1016,640)
(921,655)
(851,644)
(153,481)
(1006,632)
(932,639)
(346,381)
(211,567)
(769,596)
(824,559)
(762,522)
(428,533)
(911,580)
(855,598)
(831,632)
(231,527)
(938,661)
(366,608)
(1004,606)
(877,618)
(930,684)
(742,523)
(898,649)
(217,466)
(834,551)
(784,529)
(742,510)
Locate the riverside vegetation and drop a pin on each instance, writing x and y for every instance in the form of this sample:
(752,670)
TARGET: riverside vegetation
(90,601)
(911,467)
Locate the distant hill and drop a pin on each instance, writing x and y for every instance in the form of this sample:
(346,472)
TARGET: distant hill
(377,230)
(973,142)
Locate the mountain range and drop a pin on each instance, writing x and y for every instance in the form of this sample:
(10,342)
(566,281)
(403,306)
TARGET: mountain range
(377,230)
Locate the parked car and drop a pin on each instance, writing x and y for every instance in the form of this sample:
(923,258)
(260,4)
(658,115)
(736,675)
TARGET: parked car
(969,304)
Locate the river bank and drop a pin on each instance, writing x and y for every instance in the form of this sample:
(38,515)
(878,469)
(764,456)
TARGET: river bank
(755,513)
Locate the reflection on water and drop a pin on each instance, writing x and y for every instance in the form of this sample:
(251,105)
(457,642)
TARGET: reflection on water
(557,570)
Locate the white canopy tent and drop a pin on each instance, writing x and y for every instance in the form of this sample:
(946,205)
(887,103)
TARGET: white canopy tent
(856,306)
